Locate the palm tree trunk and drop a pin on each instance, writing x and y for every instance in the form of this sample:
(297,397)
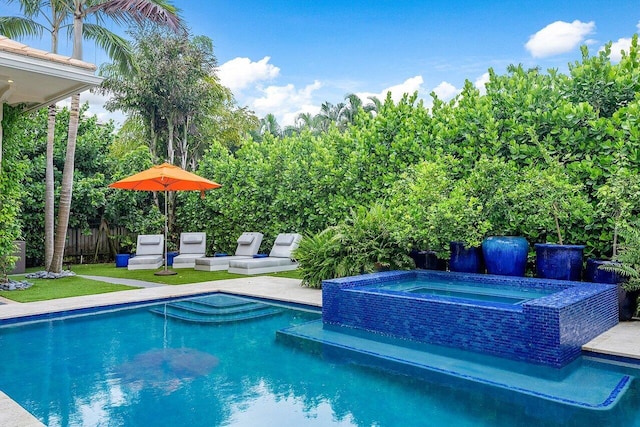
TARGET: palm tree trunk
(49,213)
(66,188)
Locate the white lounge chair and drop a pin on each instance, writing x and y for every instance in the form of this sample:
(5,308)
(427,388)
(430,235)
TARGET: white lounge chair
(279,258)
(149,250)
(248,246)
(192,246)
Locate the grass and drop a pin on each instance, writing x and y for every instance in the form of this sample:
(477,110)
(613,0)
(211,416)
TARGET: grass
(47,289)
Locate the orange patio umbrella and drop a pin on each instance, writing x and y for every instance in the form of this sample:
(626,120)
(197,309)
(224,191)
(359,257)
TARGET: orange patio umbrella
(165,177)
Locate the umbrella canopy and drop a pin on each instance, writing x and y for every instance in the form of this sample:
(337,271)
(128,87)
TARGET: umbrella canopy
(165,177)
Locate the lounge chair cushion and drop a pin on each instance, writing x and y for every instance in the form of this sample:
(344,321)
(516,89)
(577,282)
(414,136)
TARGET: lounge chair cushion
(150,240)
(246,239)
(284,240)
(284,245)
(252,247)
(192,239)
(150,244)
(193,243)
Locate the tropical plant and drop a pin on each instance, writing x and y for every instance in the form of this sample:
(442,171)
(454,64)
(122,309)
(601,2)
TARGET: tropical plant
(412,202)
(318,257)
(364,243)
(456,218)
(627,261)
(617,200)
(549,205)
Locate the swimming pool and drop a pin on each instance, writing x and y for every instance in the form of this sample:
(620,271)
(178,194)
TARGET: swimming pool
(142,366)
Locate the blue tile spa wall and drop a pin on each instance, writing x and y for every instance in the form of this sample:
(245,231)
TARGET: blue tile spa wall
(548,330)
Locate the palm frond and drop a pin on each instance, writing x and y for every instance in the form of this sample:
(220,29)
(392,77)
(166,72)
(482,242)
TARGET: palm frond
(16,27)
(140,11)
(118,48)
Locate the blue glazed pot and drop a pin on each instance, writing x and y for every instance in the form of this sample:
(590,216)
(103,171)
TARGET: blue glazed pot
(595,274)
(562,262)
(427,260)
(465,260)
(627,301)
(505,255)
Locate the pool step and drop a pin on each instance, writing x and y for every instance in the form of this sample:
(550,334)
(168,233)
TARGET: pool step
(216,310)
(585,383)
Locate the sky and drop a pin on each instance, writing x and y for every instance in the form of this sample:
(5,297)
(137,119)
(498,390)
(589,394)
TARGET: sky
(288,57)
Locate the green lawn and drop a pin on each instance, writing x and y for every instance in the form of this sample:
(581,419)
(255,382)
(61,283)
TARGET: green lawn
(43,289)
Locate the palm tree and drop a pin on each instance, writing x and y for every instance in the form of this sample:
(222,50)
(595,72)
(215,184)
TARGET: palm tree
(119,11)
(269,124)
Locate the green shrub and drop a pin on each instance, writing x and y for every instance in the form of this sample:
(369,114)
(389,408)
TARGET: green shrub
(366,242)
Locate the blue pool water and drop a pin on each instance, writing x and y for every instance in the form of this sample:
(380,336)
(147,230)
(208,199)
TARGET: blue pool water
(466,290)
(215,361)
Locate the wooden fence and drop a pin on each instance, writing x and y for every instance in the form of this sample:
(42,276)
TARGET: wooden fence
(93,245)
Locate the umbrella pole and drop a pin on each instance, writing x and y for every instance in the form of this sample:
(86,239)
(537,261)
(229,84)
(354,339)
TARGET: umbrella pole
(165,271)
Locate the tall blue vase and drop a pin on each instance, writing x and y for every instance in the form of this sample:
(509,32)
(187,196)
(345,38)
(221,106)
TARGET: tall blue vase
(562,262)
(465,260)
(505,255)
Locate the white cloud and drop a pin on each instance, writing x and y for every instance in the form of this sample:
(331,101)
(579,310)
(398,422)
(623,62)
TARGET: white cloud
(285,102)
(409,86)
(96,107)
(617,47)
(445,91)
(240,73)
(558,37)
(480,83)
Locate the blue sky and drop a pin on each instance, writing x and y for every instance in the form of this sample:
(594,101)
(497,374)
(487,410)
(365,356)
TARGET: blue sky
(286,57)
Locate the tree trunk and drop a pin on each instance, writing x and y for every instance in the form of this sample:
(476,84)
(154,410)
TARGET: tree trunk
(49,214)
(170,150)
(153,145)
(66,188)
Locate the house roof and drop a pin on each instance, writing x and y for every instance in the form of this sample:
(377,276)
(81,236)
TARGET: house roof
(36,78)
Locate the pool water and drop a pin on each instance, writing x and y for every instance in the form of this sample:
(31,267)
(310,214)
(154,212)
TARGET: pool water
(467,290)
(163,365)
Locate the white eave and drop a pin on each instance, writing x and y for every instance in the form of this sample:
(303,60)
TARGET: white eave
(36,78)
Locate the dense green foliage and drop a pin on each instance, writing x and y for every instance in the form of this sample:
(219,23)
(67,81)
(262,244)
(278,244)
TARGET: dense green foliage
(545,155)
(527,157)
(365,242)
(12,170)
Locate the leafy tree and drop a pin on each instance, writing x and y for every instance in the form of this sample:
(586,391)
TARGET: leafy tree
(76,11)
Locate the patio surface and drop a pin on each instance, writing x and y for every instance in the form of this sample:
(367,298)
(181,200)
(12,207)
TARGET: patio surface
(622,340)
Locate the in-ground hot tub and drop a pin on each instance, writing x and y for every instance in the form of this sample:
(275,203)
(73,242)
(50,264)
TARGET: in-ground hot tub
(536,320)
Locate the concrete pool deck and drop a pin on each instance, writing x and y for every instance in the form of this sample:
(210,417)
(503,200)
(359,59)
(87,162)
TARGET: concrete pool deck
(622,340)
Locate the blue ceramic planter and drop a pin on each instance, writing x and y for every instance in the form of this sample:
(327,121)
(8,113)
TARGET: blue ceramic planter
(122,260)
(594,273)
(465,260)
(562,262)
(170,257)
(505,255)
(627,301)
(427,260)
